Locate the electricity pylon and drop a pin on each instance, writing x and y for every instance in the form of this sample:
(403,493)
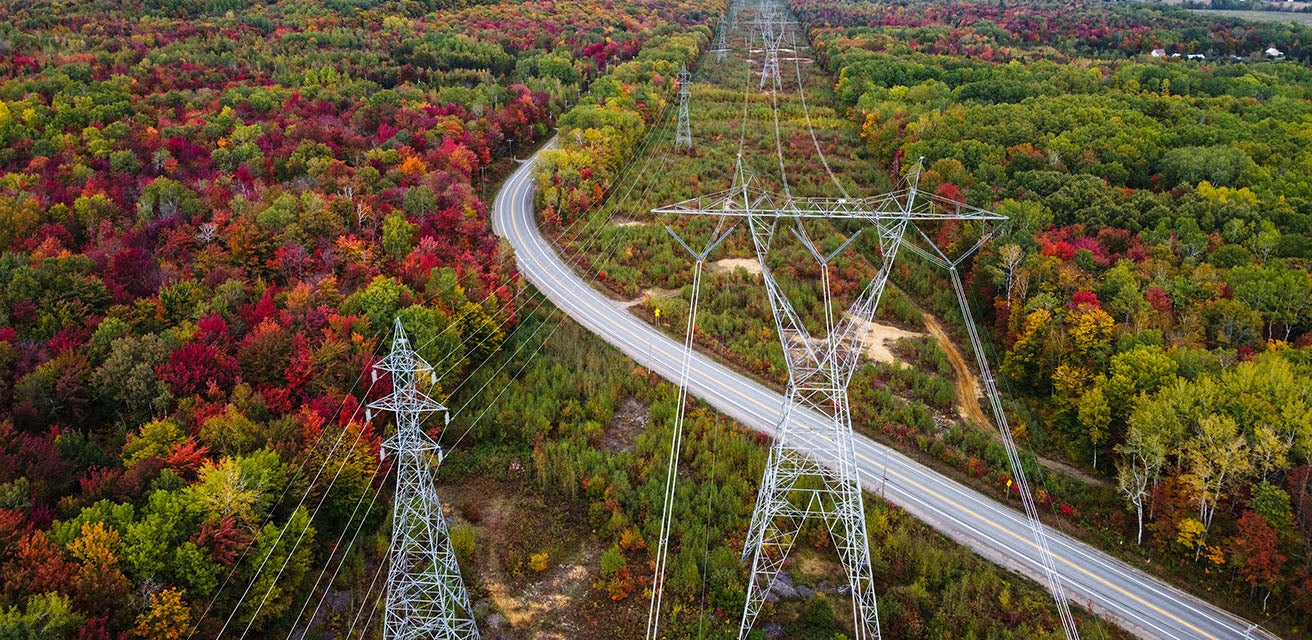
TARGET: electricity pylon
(426,596)
(770,70)
(683,134)
(811,472)
(721,45)
(772,35)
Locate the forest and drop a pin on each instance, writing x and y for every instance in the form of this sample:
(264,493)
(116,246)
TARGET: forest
(211,212)
(1149,304)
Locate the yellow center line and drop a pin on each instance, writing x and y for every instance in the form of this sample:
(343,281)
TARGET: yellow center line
(769,411)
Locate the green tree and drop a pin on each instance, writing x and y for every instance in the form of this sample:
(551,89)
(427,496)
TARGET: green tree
(1221,166)
(284,553)
(419,200)
(1281,294)
(1143,370)
(1217,458)
(232,433)
(398,236)
(46,616)
(165,198)
(380,302)
(155,438)
(481,332)
(1095,416)
(243,487)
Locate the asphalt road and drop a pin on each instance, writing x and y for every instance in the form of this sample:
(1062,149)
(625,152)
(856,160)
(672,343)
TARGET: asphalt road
(1111,588)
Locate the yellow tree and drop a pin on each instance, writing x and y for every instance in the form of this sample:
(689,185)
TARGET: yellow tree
(167,618)
(99,584)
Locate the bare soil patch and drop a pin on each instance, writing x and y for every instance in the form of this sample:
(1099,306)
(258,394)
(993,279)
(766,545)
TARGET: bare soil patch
(968,389)
(648,294)
(729,264)
(657,292)
(879,338)
(629,422)
(546,605)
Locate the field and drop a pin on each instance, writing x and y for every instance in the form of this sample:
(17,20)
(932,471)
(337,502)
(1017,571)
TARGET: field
(1300,18)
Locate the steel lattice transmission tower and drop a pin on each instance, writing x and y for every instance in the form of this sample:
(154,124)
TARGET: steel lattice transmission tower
(426,596)
(772,35)
(721,45)
(812,472)
(683,133)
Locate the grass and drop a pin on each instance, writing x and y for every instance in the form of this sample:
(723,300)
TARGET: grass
(1304,19)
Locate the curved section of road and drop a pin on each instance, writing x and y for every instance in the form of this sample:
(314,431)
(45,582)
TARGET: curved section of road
(1127,596)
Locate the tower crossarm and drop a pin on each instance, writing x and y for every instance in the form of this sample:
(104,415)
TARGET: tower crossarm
(407,399)
(887,208)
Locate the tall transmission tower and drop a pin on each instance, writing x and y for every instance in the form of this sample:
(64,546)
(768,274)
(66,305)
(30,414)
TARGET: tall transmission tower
(426,596)
(812,473)
(683,134)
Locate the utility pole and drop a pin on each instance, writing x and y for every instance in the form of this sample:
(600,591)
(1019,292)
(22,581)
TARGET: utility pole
(683,134)
(426,596)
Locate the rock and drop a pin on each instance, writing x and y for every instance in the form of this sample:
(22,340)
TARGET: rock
(782,589)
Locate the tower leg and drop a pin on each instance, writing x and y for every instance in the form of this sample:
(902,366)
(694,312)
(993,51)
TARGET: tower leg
(847,528)
(796,488)
(775,525)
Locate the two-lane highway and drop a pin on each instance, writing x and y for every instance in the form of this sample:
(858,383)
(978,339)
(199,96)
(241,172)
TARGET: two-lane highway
(1129,597)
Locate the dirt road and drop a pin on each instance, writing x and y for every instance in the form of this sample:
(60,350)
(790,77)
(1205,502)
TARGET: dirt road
(969,392)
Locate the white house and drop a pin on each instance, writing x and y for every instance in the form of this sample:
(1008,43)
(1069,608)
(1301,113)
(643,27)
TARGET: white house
(1272,52)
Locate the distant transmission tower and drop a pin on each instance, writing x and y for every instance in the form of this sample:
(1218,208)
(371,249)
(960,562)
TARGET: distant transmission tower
(426,596)
(683,134)
(721,45)
(772,35)
(811,472)
(770,71)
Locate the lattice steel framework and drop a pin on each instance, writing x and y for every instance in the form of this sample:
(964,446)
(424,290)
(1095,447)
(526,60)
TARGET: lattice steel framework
(721,43)
(812,473)
(772,35)
(683,133)
(426,596)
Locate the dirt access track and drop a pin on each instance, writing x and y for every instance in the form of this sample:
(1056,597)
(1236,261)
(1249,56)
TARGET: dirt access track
(969,392)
